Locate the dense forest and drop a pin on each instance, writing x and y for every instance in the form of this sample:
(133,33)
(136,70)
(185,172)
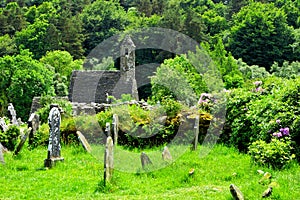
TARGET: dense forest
(41,42)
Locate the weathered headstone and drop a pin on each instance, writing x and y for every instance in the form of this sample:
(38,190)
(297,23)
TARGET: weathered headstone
(107,129)
(267,192)
(196,132)
(13,114)
(115,124)
(166,155)
(33,123)
(3,124)
(108,159)
(145,160)
(1,154)
(236,193)
(23,139)
(84,142)
(54,138)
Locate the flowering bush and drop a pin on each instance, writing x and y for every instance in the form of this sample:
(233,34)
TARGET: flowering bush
(275,154)
(255,114)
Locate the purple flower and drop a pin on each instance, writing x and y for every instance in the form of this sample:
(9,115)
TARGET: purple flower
(278,121)
(204,98)
(285,131)
(277,134)
(259,89)
(257,83)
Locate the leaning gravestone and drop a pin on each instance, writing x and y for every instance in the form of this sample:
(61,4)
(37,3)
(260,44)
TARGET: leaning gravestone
(115,124)
(108,160)
(196,132)
(34,124)
(54,138)
(236,193)
(166,155)
(3,125)
(145,160)
(22,142)
(84,142)
(13,114)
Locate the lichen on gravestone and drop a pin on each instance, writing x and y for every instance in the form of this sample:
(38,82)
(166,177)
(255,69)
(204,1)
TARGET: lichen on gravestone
(108,160)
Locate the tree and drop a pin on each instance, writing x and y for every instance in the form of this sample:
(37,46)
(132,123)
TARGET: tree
(22,78)
(101,20)
(62,62)
(38,37)
(11,19)
(177,78)
(260,35)
(7,46)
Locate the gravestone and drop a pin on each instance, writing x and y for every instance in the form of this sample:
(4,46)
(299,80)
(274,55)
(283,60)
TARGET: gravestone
(33,123)
(3,125)
(145,160)
(107,129)
(23,139)
(13,114)
(54,138)
(115,124)
(108,159)
(166,155)
(2,149)
(236,193)
(196,132)
(84,142)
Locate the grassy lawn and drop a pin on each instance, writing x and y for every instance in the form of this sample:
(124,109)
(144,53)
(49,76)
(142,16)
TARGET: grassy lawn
(80,176)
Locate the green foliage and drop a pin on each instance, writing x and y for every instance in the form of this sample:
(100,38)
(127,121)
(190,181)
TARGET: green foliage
(7,45)
(62,62)
(11,19)
(225,63)
(260,35)
(287,70)
(10,138)
(100,20)
(252,72)
(276,154)
(45,102)
(179,79)
(22,79)
(41,137)
(252,111)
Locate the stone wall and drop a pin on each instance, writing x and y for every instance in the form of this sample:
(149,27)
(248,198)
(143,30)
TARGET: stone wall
(93,86)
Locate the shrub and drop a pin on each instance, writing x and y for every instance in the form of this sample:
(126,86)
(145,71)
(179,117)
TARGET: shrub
(252,111)
(41,137)
(45,102)
(275,154)
(9,138)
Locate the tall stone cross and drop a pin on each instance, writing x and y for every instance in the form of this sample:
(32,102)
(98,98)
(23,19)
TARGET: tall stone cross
(54,120)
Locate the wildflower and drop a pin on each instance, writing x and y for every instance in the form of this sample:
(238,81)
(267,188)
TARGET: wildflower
(285,131)
(257,83)
(259,89)
(278,121)
(279,134)
(206,96)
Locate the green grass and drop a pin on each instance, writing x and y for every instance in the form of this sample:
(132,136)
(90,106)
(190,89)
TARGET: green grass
(80,176)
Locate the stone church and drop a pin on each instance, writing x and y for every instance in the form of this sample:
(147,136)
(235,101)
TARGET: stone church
(95,85)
